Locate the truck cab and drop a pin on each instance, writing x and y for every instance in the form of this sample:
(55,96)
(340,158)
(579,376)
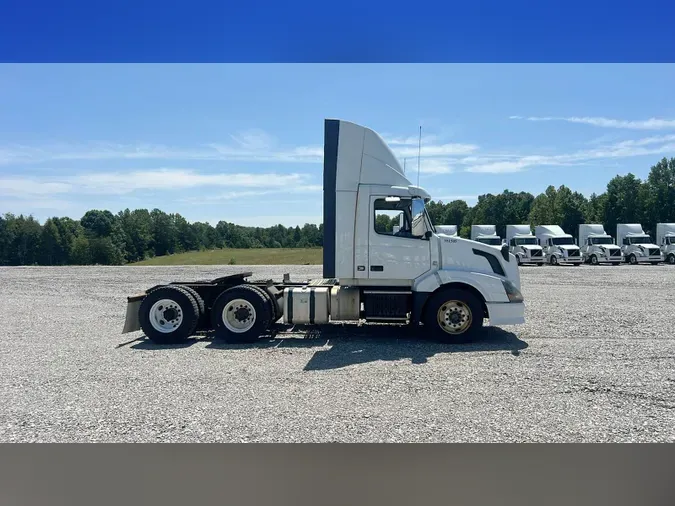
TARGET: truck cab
(559,247)
(637,247)
(665,238)
(597,246)
(486,234)
(523,245)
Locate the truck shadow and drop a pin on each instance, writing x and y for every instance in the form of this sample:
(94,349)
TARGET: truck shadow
(351,344)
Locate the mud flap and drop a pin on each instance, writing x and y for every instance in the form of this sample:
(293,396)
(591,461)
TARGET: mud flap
(131,321)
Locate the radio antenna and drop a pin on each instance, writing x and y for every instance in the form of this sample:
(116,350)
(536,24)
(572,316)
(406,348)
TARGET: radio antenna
(404,160)
(419,154)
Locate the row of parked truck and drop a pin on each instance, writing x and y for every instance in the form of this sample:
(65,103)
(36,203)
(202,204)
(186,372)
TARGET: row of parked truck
(550,244)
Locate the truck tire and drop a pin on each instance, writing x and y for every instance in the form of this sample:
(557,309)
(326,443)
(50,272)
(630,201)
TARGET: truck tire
(594,260)
(671,259)
(241,314)
(632,259)
(554,260)
(274,310)
(168,315)
(200,304)
(518,260)
(453,316)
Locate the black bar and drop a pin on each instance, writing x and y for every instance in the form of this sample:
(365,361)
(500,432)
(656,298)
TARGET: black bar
(312,305)
(289,310)
(377,268)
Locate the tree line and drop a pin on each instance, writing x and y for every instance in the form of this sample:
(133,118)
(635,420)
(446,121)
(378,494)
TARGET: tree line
(101,237)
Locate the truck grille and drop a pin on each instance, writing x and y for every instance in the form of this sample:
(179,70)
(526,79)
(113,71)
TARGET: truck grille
(535,253)
(615,253)
(573,253)
(654,251)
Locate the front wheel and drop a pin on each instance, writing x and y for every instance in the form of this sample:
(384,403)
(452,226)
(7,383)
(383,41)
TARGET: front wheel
(453,316)
(633,259)
(554,260)
(671,259)
(594,260)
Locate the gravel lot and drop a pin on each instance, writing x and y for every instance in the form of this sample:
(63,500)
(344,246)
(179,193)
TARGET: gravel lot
(595,362)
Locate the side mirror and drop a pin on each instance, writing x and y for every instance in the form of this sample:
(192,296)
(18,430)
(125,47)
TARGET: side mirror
(428,234)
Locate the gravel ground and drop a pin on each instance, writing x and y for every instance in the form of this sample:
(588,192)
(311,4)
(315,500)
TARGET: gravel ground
(594,362)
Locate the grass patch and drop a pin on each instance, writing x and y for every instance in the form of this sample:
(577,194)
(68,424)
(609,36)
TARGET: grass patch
(227,256)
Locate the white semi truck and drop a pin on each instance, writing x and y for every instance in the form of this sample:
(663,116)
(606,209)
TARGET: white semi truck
(559,247)
(486,234)
(665,238)
(445,284)
(524,245)
(636,246)
(597,246)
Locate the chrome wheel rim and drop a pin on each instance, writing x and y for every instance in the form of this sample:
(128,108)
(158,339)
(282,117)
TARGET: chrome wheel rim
(454,317)
(239,316)
(166,316)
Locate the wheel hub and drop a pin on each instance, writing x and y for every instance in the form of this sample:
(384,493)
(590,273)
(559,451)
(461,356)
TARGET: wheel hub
(170,314)
(242,314)
(165,316)
(239,316)
(454,317)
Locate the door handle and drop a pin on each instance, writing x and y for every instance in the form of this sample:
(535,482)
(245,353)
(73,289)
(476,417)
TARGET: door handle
(377,268)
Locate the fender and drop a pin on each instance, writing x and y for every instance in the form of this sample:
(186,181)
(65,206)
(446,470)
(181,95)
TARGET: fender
(489,287)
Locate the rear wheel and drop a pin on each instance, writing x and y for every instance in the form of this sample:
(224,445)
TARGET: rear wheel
(200,304)
(168,315)
(453,316)
(241,314)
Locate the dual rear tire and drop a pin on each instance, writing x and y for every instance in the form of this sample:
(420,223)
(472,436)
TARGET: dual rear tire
(171,314)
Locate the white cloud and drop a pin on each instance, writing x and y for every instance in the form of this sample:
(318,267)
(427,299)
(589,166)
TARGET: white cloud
(13,186)
(435,150)
(118,183)
(430,166)
(409,141)
(647,124)
(624,149)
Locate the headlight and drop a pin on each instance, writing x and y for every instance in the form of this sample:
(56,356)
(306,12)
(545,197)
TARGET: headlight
(512,292)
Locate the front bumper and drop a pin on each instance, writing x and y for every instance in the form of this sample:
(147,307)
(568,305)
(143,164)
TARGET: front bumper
(653,258)
(506,313)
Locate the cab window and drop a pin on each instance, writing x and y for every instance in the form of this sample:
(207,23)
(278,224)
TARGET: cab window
(400,217)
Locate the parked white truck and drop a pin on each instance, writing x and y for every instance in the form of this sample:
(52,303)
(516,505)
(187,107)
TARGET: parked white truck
(415,275)
(665,238)
(597,246)
(559,247)
(636,246)
(524,245)
(486,234)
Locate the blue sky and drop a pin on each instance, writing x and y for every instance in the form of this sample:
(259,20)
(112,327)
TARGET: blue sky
(243,143)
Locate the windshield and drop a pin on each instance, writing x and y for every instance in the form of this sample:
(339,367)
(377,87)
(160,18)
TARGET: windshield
(562,240)
(525,240)
(639,239)
(601,240)
(492,241)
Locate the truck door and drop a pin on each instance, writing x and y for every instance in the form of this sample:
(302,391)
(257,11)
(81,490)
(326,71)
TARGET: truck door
(404,254)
